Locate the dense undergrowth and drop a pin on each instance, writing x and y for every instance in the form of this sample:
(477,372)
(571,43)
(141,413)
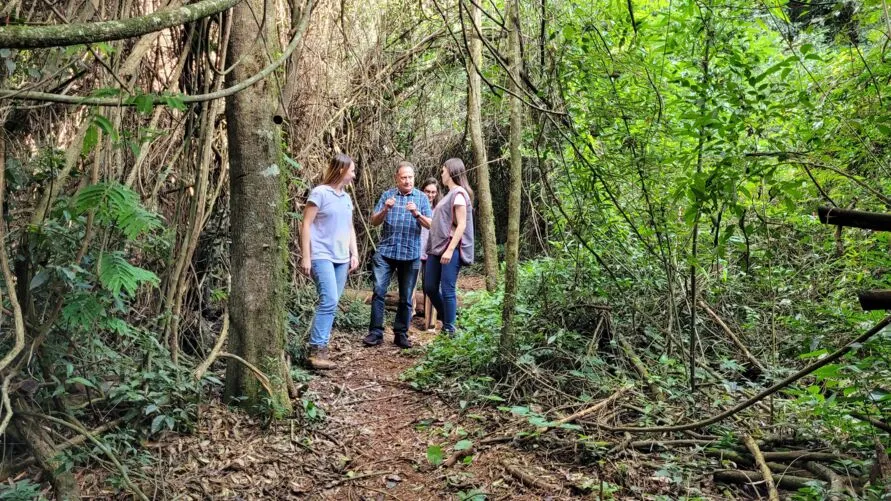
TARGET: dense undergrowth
(572,322)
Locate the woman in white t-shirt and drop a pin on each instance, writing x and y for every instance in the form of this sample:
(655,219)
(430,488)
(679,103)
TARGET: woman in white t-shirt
(328,244)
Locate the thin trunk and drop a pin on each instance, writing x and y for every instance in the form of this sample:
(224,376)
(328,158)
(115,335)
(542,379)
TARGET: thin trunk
(478,145)
(512,250)
(694,334)
(258,230)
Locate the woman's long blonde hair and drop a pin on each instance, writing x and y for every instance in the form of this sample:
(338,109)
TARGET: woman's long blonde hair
(338,168)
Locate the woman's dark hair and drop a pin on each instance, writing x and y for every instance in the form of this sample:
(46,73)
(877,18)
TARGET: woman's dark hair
(458,173)
(338,168)
(434,182)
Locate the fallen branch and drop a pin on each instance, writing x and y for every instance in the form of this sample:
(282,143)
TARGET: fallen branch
(529,480)
(746,477)
(772,494)
(74,441)
(837,487)
(664,444)
(739,344)
(100,444)
(263,378)
(639,367)
(810,456)
(45,454)
(743,460)
(764,394)
(621,446)
(873,421)
(217,348)
(580,414)
(458,455)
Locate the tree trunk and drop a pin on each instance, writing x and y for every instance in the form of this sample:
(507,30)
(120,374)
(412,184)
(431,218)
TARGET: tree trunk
(259,234)
(478,146)
(512,250)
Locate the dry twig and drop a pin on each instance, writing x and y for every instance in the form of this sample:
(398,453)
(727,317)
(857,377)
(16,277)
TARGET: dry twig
(772,493)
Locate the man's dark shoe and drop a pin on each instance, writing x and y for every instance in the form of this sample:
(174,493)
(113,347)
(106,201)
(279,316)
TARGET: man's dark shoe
(372,339)
(402,341)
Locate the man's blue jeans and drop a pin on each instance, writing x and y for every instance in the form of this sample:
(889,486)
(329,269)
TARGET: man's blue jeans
(330,280)
(439,285)
(406,276)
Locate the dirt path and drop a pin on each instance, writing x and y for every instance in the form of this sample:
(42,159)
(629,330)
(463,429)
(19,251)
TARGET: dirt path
(369,440)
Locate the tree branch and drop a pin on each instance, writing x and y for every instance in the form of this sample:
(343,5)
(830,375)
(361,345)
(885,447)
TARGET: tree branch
(117,101)
(60,35)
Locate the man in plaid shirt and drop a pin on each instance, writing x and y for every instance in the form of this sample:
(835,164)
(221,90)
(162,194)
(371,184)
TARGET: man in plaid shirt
(402,210)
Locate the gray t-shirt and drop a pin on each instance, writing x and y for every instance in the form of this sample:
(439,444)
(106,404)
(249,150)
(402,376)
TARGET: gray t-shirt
(444,224)
(330,231)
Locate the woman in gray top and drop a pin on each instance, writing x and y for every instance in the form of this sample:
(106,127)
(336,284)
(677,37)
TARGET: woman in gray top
(451,230)
(328,244)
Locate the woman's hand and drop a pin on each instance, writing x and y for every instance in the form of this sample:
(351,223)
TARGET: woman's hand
(354,263)
(306,265)
(446,256)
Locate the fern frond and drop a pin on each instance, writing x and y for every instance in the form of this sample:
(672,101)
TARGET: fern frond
(116,273)
(119,205)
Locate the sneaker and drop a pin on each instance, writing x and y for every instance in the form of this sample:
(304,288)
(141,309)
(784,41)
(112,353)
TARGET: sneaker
(402,341)
(318,358)
(372,339)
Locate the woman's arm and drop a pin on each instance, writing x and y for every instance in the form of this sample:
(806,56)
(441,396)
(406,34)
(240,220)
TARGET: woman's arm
(309,215)
(461,216)
(423,220)
(354,249)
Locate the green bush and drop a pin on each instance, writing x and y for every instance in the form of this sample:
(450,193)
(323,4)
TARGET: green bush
(554,325)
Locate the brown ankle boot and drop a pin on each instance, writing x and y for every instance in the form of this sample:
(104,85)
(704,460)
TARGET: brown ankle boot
(318,358)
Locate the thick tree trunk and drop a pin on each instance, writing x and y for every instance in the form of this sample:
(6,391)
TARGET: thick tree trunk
(259,233)
(512,250)
(478,146)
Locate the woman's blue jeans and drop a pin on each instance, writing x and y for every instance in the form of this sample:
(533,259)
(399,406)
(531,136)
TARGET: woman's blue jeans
(330,280)
(439,285)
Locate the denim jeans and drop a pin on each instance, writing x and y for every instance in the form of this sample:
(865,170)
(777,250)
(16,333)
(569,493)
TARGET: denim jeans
(406,276)
(439,285)
(330,280)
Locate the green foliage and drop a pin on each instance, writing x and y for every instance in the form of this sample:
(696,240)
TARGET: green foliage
(555,321)
(23,490)
(115,273)
(435,455)
(117,205)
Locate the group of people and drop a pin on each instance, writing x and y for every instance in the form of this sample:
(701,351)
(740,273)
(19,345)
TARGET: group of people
(421,232)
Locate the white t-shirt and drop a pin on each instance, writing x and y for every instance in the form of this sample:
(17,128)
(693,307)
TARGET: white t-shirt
(331,230)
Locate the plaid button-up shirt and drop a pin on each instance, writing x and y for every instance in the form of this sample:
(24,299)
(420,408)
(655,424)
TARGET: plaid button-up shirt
(401,236)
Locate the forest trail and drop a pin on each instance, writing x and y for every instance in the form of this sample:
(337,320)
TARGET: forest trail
(371,443)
